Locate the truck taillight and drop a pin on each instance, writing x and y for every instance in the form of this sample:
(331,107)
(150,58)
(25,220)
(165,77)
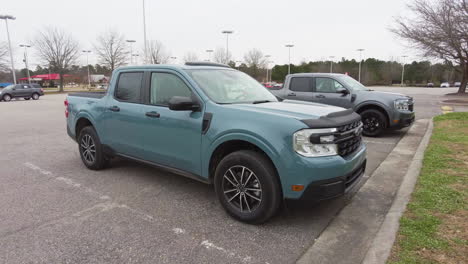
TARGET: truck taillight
(66,107)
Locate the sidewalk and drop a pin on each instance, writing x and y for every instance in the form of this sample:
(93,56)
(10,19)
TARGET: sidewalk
(350,235)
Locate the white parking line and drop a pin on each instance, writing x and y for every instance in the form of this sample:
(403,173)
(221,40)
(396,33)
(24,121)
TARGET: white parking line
(378,142)
(209,245)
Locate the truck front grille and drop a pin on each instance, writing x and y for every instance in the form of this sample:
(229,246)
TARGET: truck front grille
(349,138)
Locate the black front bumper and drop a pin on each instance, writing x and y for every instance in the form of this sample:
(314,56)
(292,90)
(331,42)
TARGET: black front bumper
(331,188)
(405,121)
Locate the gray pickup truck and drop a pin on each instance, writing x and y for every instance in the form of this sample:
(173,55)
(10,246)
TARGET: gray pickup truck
(378,110)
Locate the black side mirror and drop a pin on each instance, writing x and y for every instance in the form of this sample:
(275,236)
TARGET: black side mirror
(181,103)
(342,90)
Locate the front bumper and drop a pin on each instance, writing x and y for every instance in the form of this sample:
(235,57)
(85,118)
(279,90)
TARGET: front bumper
(331,188)
(404,119)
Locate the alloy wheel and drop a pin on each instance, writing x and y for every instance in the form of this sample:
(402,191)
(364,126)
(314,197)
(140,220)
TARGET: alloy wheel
(242,189)
(88,148)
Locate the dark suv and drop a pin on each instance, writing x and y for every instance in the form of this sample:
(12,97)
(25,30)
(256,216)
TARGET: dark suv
(23,90)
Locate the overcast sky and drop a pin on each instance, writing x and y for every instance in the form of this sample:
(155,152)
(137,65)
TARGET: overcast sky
(318,29)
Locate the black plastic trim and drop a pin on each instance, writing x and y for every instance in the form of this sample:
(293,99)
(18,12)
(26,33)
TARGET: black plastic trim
(167,168)
(331,120)
(206,122)
(202,63)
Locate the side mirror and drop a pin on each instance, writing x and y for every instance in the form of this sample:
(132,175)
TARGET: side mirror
(180,103)
(342,90)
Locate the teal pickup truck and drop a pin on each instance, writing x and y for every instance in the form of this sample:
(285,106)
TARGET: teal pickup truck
(212,123)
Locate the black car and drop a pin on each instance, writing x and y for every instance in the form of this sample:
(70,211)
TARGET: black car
(24,90)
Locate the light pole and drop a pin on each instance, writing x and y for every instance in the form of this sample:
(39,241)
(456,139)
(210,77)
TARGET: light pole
(144,33)
(131,41)
(289,46)
(403,69)
(227,32)
(271,71)
(173,58)
(25,46)
(6,17)
(209,51)
(267,56)
(135,58)
(331,63)
(87,65)
(360,60)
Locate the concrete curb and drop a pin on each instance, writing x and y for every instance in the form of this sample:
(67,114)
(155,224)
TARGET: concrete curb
(350,235)
(383,241)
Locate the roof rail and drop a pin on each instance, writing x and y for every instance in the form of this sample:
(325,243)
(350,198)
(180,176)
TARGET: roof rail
(204,63)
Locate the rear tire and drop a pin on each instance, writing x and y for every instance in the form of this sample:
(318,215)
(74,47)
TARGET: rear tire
(248,186)
(7,98)
(90,149)
(374,122)
(35,96)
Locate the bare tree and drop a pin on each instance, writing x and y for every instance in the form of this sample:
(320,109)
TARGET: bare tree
(219,56)
(190,56)
(58,49)
(439,30)
(3,56)
(157,53)
(111,49)
(255,61)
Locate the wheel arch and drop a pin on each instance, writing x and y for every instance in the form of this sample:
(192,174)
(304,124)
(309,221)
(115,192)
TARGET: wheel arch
(375,106)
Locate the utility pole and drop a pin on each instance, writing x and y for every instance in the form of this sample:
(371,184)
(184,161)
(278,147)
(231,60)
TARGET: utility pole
(267,56)
(289,46)
(209,51)
(87,65)
(331,63)
(6,17)
(360,60)
(25,46)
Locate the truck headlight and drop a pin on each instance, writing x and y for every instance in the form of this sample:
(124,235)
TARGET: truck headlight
(303,145)
(402,104)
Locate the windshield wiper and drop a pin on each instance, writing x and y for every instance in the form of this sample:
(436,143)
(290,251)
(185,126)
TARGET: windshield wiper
(261,101)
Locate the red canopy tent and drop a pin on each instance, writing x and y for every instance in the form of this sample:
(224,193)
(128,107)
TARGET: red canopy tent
(46,77)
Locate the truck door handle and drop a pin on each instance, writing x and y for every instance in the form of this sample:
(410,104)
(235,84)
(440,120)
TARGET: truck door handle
(320,96)
(291,94)
(153,114)
(114,108)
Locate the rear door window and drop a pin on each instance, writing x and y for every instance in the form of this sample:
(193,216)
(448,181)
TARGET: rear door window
(301,84)
(128,87)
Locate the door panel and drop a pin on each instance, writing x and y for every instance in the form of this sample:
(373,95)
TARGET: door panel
(301,88)
(326,92)
(171,138)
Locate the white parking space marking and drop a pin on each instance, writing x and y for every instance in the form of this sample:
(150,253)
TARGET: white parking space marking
(178,230)
(379,142)
(209,245)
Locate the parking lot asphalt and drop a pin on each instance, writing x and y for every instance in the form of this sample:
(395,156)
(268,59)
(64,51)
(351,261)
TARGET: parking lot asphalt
(54,210)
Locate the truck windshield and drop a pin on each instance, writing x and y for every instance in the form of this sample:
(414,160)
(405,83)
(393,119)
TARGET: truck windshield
(225,86)
(353,84)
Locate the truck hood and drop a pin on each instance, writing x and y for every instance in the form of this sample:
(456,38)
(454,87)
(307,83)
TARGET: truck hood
(290,108)
(386,95)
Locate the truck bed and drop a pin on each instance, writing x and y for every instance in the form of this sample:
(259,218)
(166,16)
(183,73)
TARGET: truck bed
(97,95)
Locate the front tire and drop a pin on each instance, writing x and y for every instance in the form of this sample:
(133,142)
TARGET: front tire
(35,96)
(374,122)
(7,98)
(27,98)
(90,148)
(248,187)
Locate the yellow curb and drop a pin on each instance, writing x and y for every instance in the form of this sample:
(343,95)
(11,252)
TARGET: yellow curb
(446,108)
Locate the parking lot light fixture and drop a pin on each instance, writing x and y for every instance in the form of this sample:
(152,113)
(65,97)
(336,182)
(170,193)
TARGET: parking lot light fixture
(131,41)
(87,65)
(209,51)
(360,61)
(227,32)
(289,46)
(403,69)
(25,46)
(6,17)
(135,60)
(173,58)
